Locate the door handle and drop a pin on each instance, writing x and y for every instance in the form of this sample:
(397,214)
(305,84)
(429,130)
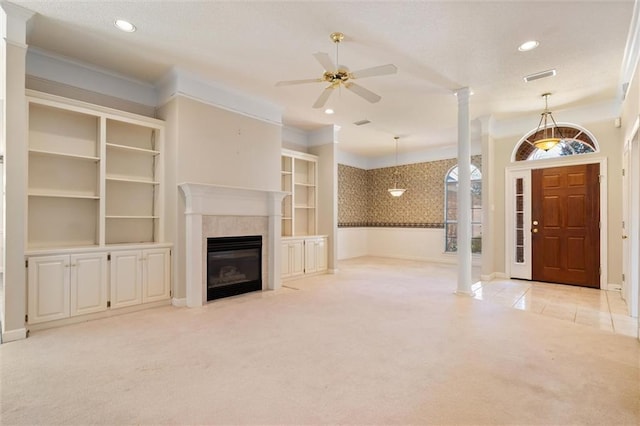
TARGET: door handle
(534,230)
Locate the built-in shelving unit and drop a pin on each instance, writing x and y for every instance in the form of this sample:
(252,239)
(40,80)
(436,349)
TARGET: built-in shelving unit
(299,176)
(94,175)
(303,252)
(94,202)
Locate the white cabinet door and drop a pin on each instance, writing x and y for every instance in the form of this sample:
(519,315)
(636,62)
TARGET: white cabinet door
(88,283)
(310,256)
(48,286)
(155,275)
(321,254)
(126,278)
(292,258)
(296,250)
(285,255)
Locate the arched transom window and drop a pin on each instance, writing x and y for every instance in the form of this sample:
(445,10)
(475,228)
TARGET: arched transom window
(574,141)
(451,210)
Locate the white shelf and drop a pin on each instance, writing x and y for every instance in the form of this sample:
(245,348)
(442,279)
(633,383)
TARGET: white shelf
(62,195)
(131,180)
(132,149)
(63,155)
(304,207)
(132,217)
(309,185)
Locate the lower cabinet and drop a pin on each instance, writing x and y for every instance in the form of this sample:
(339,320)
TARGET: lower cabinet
(315,255)
(66,285)
(292,258)
(61,286)
(303,256)
(139,276)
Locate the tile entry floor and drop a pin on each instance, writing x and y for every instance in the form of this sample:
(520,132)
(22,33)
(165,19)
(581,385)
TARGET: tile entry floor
(603,309)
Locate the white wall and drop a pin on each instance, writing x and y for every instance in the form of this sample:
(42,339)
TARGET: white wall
(211,145)
(425,244)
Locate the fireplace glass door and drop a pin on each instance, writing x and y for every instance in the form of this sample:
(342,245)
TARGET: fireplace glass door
(234,266)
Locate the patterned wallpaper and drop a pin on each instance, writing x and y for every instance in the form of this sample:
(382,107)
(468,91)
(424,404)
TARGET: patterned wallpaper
(363,199)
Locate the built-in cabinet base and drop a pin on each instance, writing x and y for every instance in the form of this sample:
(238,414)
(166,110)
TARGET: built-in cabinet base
(303,256)
(68,284)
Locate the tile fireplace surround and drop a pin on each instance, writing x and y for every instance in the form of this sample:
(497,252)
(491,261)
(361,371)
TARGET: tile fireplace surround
(220,211)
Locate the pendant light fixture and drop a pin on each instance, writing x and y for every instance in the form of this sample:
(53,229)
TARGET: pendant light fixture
(395,191)
(551,135)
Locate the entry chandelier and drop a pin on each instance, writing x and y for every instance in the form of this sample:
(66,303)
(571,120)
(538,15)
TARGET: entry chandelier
(549,138)
(395,191)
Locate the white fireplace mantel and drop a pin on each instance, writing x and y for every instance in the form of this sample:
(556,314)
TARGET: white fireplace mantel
(216,200)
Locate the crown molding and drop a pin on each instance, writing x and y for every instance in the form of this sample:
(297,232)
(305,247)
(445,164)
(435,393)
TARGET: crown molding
(631,52)
(179,82)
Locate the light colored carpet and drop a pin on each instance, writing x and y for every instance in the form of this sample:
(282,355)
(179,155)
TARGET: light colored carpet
(382,341)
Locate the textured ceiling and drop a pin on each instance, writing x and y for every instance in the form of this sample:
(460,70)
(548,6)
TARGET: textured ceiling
(437,47)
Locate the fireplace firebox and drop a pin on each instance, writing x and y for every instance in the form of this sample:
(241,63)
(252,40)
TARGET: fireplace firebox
(234,266)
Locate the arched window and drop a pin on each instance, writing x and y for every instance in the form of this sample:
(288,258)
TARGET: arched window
(574,141)
(451,210)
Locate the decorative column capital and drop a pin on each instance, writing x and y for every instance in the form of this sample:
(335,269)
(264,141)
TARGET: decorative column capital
(14,30)
(463,94)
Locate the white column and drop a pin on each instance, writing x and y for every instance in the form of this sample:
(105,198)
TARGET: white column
(13,139)
(274,263)
(195,273)
(464,193)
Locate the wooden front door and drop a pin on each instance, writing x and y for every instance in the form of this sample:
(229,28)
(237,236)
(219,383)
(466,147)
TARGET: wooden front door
(565,225)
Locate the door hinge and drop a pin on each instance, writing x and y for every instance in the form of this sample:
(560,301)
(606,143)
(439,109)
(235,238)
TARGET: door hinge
(170,293)
(26,318)
(26,263)
(623,224)
(109,256)
(622,277)
(108,303)
(623,172)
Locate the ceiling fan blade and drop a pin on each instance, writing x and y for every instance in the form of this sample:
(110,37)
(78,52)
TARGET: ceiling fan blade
(361,91)
(325,61)
(374,71)
(324,96)
(292,82)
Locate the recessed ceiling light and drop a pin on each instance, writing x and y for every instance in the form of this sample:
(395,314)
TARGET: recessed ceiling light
(328,111)
(125,26)
(528,45)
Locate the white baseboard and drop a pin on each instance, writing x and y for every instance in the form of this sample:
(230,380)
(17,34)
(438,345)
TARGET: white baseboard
(614,287)
(179,303)
(13,335)
(493,276)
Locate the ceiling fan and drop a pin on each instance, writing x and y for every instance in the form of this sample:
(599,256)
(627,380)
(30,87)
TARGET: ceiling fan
(339,76)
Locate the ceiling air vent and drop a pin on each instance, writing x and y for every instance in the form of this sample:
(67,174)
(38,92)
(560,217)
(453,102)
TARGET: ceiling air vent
(361,122)
(539,75)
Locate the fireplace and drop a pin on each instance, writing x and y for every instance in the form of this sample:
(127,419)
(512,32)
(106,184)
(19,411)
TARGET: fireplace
(223,211)
(234,266)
